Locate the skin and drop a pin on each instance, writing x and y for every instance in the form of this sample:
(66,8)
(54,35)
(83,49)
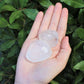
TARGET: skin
(43,72)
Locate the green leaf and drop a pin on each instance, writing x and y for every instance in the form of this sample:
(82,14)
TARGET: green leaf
(14,26)
(70,29)
(13,67)
(1,53)
(10,33)
(8,1)
(16,3)
(74,3)
(71,20)
(21,37)
(1,60)
(79,66)
(15,15)
(75,58)
(1,75)
(23,3)
(79,33)
(13,51)
(79,78)
(81,16)
(54,82)
(30,13)
(7,44)
(4,36)
(7,34)
(45,3)
(62,80)
(3,22)
(2,3)
(7,8)
(78,45)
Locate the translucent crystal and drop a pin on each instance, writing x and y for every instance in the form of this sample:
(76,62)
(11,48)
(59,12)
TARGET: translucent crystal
(49,36)
(38,51)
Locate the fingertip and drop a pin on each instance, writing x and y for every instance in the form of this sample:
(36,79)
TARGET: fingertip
(67,38)
(41,13)
(65,11)
(51,7)
(58,4)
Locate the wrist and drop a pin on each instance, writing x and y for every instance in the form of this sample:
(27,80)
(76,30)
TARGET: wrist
(28,82)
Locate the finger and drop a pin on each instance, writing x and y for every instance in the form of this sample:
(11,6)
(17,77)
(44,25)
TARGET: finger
(56,65)
(63,24)
(64,53)
(46,19)
(36,26)
(56,16)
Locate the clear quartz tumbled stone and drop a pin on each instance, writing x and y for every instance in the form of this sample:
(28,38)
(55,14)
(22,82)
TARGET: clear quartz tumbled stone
(38,51)
(49,36)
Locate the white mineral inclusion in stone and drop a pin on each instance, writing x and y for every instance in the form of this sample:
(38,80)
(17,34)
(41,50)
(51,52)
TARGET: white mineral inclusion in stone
(49,36)
(38,51)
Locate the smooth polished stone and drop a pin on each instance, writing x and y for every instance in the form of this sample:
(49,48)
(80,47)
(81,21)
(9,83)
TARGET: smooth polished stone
(49,36)
(38,51)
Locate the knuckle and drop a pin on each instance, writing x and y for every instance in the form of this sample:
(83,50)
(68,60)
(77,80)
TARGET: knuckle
(41,12)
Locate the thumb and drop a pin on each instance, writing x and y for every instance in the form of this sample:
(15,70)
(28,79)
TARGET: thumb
(64,53)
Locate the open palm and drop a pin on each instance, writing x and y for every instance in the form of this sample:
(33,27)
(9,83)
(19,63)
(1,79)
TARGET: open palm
(43,72)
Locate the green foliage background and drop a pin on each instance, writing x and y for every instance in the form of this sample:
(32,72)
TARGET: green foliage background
(16,19)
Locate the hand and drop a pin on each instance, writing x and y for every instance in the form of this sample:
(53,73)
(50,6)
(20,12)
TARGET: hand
(43,72)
